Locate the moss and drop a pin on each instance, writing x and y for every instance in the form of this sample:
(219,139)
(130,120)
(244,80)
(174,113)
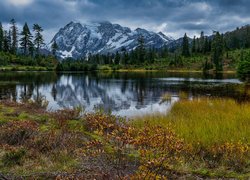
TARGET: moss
(23,116)
(76,125)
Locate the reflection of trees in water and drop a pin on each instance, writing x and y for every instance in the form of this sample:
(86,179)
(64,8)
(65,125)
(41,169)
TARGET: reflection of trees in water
(8,92)
(54,91)
(114,91)
(26,92)
(24,84)
(122,92)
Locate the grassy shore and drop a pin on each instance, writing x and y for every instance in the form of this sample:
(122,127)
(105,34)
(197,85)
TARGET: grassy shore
(107,68)
(203,138)
(25,68)
(206,121)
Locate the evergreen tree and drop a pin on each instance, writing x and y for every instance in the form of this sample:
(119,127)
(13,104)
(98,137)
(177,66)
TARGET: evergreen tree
(14,32)
(243,68)
(185,46)
(194,45)
(109,59)
(6,46)
(206,45)
(38,39)
(202,42)
(117,58)
(26,40)
(9,41)
(210,45)
(133,57)
(31,49)
(54,48)
(248,37)
(141,49)
(1,37)
(207,65)
(164,52)
(217,51)
(150,55)
(125,56)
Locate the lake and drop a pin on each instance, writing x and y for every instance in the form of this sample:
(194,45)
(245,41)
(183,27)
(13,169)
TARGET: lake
(125,94)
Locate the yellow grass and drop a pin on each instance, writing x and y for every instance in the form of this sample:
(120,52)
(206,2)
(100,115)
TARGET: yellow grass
(206,121)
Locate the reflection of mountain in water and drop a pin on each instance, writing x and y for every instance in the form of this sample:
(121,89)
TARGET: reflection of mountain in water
(125,94)
(109,94)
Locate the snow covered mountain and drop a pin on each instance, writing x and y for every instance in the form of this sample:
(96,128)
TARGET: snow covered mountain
(78,40)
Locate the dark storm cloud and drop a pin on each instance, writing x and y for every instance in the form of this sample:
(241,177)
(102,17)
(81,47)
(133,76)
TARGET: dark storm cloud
(174,17)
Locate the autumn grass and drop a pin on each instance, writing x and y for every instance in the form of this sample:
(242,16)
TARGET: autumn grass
(33,142)
(206,121)
(166,97)
(203,138)
(216,133)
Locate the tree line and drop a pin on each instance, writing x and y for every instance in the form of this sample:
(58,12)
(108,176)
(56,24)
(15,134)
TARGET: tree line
(217,46)
(11,40)
(140,55)
(28,44)
(24,46)
(206,45)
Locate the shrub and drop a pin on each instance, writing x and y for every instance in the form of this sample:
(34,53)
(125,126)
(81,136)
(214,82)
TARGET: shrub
(105,68)
(62,116)
(56,140)
(233,155)
(17,132)
(14,157)
(100,122)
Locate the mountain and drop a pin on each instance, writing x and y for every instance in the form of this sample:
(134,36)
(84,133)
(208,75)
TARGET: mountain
(77,40)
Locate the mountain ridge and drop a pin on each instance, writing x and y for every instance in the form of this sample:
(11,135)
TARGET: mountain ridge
(77,40)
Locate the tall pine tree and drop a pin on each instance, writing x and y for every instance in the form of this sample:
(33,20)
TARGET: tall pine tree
(141,49)
(14,32)
(1,37)
(9,40)
(248,37)
(26,40)
(38,41)
(194,45)
(217,52)
(185,46)
(54,48)
(117,58)
(202,42)
(206,45)
(6,47)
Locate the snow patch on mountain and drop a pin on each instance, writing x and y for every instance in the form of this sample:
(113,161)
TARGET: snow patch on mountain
(66,54)
(77,40)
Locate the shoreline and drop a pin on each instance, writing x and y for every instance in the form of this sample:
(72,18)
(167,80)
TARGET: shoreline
(45,69)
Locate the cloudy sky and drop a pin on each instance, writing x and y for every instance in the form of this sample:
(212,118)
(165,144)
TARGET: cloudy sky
(173,17)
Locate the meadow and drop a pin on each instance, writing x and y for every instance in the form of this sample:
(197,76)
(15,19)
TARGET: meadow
(205,138)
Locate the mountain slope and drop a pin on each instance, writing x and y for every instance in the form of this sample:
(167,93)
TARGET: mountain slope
(77,40)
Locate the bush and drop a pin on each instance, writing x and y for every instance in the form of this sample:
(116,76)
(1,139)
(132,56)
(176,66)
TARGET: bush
(14,157)
(17,132)
(62,116)
(105,68)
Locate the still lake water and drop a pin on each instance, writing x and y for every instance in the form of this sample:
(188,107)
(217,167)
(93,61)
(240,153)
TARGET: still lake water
(125,94)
